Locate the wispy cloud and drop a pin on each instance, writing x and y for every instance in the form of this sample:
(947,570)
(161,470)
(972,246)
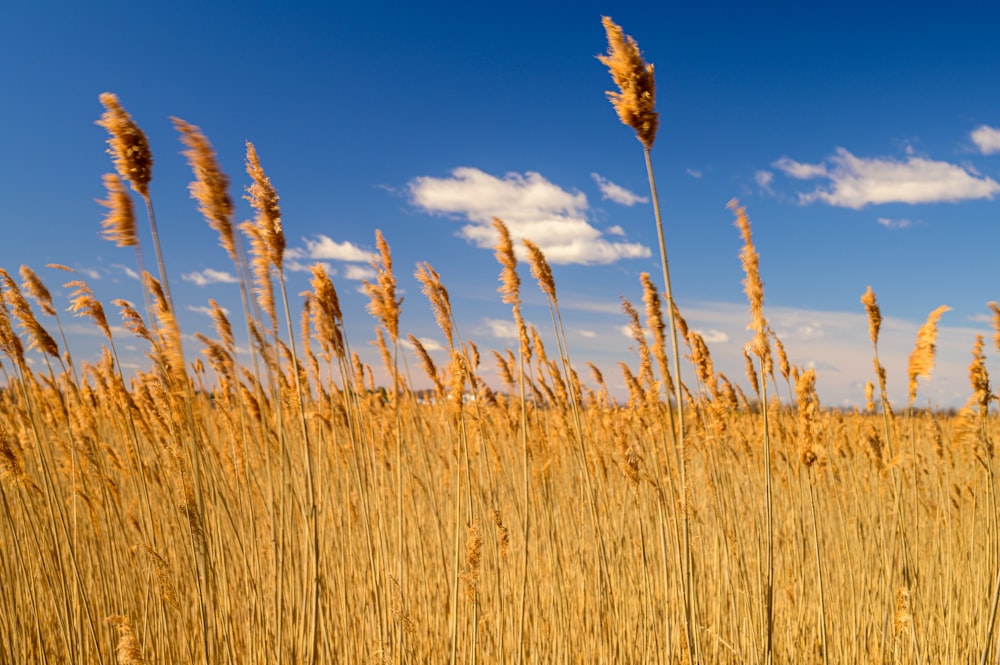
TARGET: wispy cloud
(987,139)
(129,272)
(323,247)
(713,336)
(694,173)
(209,276)
(855,182)
(531,206)
(895,223)
(293,265)
(204,309)
(764,180)
(617,193)
(428,343)
(500,328)
(359,273)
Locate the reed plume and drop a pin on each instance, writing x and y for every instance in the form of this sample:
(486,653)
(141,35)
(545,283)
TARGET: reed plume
(210,187)
(922,358)
(128,146)
(384,305)
(635,102)
(264,199)
(874,314)
(119,223)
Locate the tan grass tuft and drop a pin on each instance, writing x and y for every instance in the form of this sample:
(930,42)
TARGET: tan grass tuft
(83,303)
(636,101)
(128,649)
(540,270)
(129,148)
(210,186)
(37,290)
(384,305)
(40,338)
(874,314)
(922,358)
(119,224)
(327,317)
(473,558)
(754,288)
(264,199)
(437,294)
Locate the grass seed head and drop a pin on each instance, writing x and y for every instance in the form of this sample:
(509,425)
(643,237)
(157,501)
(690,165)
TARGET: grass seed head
(129,148)
(635,102)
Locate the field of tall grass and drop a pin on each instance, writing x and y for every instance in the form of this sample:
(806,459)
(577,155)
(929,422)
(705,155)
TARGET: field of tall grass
(288,509)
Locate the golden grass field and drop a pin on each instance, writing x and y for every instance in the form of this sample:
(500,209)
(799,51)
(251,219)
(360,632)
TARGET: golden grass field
(287,509)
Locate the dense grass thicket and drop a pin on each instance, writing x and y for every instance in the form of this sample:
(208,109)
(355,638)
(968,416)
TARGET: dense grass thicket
(281,507)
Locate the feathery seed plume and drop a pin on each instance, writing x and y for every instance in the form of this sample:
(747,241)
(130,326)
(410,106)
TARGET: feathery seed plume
(636,101)
(129,148)
(264,199)
(540,269)
(753,286)
(922,358)
(83,303)
(119,223)
(37,290)
(874,315)
(210,185)
(384,305)
(128,649)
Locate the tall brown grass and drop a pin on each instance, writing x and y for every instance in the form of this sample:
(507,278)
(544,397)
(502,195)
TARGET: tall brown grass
(282,505)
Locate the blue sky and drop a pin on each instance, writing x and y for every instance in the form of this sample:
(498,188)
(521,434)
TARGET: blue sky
(864,140)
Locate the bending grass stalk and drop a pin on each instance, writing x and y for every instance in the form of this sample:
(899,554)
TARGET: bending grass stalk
(681,442)
(635,104)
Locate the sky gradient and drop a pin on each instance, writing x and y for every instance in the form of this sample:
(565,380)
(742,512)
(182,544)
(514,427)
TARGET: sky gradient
(864,141)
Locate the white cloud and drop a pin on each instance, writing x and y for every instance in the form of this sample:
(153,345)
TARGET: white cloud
(90,273)
(322,247)
(895,223)
(615,230)
(359,273)
(713,336)
(617,193)
(300,266)
(501,329)
(531,206)
(209,276)
(627,332)
(987,139)
(203,309)
(798,170)
(428,343)
(858,181)
(694,173)
(589,334)
(764,180)
(129,272)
